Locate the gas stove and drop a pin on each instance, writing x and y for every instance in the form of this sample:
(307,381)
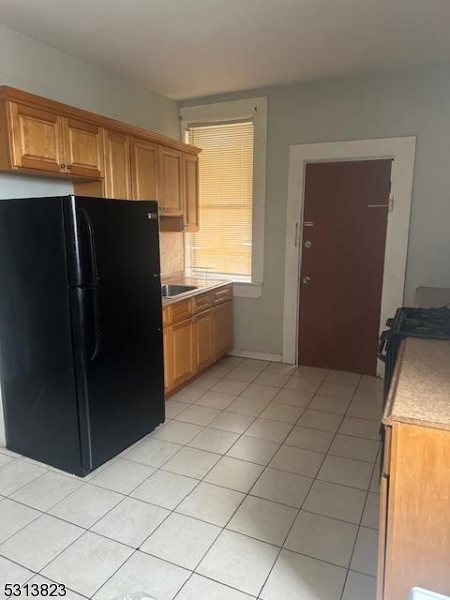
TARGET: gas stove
(426,323)
(431,323)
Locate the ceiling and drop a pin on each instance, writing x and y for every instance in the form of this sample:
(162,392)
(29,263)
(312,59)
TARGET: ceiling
(190,48)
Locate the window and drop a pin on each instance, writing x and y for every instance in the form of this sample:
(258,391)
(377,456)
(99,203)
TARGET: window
(223,245)
(237,240)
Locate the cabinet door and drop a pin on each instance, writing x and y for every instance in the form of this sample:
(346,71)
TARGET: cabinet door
(190,197)
(144,166)
(117,166)
(167,338)
(83,148)
(203,340)
(37,139)
(171,187)
(384,497)
(418,530)
(222,329)
(182,351)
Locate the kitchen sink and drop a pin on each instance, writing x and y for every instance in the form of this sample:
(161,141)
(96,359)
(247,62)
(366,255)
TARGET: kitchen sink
(169,290)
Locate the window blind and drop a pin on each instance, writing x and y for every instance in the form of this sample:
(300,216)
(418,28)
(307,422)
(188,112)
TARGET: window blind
(224,243)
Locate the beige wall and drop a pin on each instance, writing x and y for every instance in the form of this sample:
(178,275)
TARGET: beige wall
(34,67)
(390,104)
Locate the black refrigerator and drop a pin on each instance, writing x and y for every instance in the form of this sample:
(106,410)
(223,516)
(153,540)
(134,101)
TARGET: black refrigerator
(81,354)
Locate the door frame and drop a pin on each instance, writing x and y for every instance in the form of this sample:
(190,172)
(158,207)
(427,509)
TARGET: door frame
(402,151)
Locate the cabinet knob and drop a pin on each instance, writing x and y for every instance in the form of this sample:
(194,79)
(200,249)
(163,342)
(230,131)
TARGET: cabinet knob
(68,167)
(62,166)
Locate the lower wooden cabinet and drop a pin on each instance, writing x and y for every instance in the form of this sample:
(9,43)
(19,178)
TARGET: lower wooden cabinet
(203,340)
(197,332)
(182,352)
(414,539)
(168,385)
(222,316)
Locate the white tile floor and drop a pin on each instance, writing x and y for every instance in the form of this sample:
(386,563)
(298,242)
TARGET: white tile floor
(261,484)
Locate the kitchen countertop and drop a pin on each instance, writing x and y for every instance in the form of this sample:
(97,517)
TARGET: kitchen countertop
(420,389)
(203,285)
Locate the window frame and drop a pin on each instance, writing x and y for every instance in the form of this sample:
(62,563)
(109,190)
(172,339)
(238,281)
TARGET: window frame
(235,110)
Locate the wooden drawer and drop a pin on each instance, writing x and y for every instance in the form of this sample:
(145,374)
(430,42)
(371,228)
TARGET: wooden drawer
(222,294)
(201,302)
(180,311)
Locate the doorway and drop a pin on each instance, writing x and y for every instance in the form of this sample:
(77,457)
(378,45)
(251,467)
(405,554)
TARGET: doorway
(402,152)
(341,276)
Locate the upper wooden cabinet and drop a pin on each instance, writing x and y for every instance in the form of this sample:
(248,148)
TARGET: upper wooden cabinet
(144,164)
(190,196)
(42,140)
(36,139)
(178,190)
(171,181)
(117,161)
(103,157)
(83,148)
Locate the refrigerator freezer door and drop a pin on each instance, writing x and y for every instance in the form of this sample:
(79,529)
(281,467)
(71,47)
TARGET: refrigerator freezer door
(119,365)
(110,240)
(37,365)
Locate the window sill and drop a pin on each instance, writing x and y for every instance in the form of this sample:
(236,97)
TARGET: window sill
(241,289)
(247,290)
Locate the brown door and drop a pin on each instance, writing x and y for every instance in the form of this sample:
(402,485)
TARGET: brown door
(341,276)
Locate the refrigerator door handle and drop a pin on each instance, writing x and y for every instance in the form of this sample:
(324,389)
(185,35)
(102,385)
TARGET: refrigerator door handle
(93,257)
(92,253)
(96,314)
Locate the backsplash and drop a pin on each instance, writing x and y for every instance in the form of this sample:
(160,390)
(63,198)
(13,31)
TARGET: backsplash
(171,245)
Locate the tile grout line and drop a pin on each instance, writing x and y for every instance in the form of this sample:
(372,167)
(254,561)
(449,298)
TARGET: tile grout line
(221,455)
(290,529)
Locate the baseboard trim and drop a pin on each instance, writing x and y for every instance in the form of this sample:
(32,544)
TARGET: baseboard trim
(256,355)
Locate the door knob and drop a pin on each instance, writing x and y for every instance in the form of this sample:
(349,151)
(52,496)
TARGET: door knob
(306,280)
